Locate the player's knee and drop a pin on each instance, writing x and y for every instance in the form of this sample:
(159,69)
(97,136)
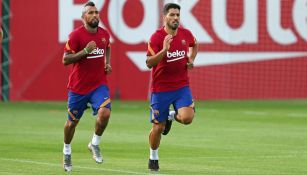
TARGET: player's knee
(72,123)
(185,115)
(187,120)
(104,113)
(157,128)
(106,116)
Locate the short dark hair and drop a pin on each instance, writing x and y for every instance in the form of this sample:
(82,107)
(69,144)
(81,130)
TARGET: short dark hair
(170,6)
(90,3)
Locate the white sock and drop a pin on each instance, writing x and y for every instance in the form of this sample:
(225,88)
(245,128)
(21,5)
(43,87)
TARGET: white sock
(171,115)
(66,149)
(153,154)
(96,139)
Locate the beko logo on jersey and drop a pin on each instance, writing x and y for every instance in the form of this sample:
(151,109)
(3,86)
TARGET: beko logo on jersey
(96,53)
(174,56)
(177,53)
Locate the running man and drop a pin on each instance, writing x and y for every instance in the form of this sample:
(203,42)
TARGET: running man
(171,52)
(88,50)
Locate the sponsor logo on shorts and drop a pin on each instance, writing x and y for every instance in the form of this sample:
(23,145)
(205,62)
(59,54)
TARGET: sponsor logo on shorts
(156,112)
(75,112)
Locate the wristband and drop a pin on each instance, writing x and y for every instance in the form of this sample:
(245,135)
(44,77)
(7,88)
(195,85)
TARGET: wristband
(85,51)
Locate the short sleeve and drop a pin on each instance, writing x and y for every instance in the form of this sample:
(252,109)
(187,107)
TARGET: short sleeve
(108,44)
(153,45)
(191,38)
(72,45)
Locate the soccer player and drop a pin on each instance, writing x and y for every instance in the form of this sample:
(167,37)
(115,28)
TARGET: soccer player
(171,52)
(88,50)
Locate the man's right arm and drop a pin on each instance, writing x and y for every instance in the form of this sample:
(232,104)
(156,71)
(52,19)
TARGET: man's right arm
(155,59)
(70,58)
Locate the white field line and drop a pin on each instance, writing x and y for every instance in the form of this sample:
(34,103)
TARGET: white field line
(234,157)
(255,113)
(298,115)
(210,110)
(77,167)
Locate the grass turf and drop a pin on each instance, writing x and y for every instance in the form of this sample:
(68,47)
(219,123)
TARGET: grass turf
(225,138)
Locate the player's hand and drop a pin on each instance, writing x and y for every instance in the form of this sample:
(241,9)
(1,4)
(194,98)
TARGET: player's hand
(167,42)
(190,64)
(108,69)
(90,46)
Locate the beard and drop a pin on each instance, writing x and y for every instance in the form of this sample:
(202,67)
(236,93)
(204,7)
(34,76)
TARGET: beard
(93,23)
(173,26)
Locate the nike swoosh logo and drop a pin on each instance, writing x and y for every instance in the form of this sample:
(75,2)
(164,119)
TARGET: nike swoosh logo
(95,56)
(175,59)
(105,98)
(219,58)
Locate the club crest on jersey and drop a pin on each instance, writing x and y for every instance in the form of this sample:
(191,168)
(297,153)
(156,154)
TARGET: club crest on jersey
(103,40)
(183,42)
(174,56)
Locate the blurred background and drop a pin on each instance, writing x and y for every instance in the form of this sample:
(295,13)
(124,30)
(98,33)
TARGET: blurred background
(249,80)
(255,49)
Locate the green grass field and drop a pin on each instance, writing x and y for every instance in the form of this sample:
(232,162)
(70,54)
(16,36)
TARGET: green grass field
(226,138)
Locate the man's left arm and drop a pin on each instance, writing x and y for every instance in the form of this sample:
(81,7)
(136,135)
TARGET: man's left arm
(108,67)
(191,55)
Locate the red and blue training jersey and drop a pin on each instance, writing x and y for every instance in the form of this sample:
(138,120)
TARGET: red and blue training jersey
(88,73)
(171,72)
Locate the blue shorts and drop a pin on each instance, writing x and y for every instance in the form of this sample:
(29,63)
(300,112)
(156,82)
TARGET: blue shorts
(77,103)
(161,101)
